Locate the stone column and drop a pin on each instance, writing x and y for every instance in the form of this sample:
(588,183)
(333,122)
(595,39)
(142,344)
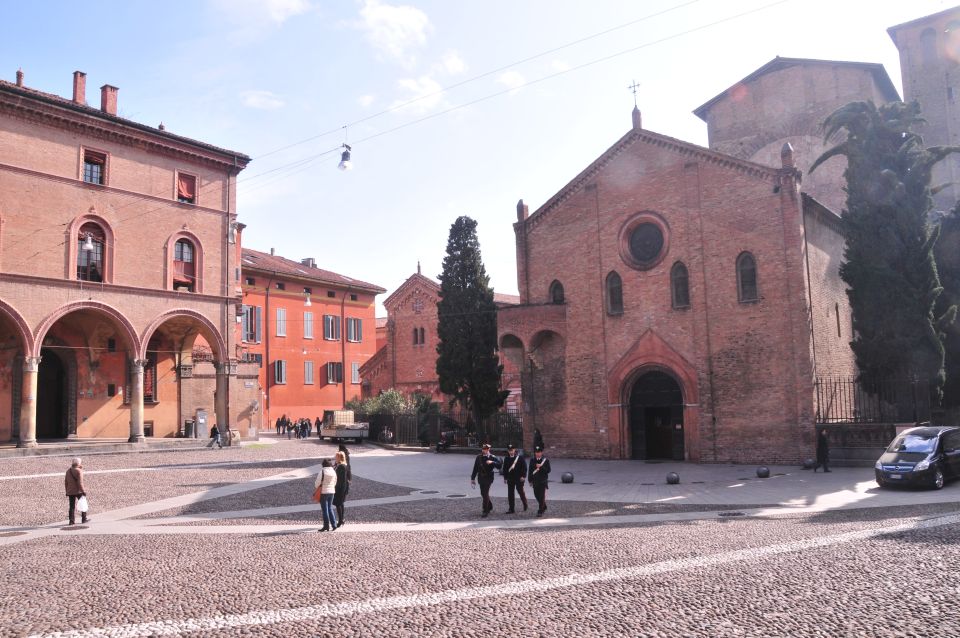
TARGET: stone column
(136,400)
(28,403)
(221,400)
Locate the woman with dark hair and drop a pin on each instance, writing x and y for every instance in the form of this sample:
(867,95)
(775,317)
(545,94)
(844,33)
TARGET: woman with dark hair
(342,468)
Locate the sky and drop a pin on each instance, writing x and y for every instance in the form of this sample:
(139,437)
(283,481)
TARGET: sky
(451,107)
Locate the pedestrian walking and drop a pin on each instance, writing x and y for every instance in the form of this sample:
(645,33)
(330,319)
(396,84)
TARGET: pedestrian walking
(319,424)
(327,482)
(280,425)
(215,437)
(823,451)
(538,440)
(514,473)
(346,453)
(344,476)
(483,468)
(539,476)
(73,484)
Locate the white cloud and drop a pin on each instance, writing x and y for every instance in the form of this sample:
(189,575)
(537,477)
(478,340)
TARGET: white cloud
(264,100)
(394,30)
(559,65)
(452,63)
(365,100)
(511,79)
(424,89)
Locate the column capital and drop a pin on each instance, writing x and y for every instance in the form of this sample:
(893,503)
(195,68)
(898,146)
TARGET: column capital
(31,364)
(139,363)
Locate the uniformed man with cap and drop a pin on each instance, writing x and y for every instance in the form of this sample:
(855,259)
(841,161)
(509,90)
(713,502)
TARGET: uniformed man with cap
(538,476)
(483,472)
(514,472)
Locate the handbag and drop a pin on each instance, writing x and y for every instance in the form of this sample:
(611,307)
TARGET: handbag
(316,495)
(82,505)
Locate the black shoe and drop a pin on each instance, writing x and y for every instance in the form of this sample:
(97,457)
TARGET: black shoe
(485,514)
(324,529)
(825,470)
(539,513)
(510,512)
(524,507)
(85,520)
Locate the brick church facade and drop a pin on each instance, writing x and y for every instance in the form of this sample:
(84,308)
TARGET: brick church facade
(406,358)
(678,302)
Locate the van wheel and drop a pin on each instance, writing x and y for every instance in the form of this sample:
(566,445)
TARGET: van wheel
(937,479)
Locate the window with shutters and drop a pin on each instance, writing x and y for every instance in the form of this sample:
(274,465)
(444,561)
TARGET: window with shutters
(308,372)
(280,372)
(186,188)
(331,327)
(334,372)
(354,329)
(281,322)
(355,372)
(308,325)
(251,322)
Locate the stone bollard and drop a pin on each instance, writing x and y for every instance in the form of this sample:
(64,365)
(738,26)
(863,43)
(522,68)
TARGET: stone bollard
(673,478)
(763,472)
(566,477)
(808,464)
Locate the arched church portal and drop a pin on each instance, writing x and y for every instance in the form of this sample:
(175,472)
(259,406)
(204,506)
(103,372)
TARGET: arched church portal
(656,417)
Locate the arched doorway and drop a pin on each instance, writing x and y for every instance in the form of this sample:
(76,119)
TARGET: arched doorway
(656,417)
(51,396)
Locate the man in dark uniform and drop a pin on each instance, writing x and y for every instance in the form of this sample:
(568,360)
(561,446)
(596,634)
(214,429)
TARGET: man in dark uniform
(538,477)
(483,471)
(514,472)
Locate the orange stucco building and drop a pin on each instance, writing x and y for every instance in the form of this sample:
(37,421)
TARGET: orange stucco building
(309,330)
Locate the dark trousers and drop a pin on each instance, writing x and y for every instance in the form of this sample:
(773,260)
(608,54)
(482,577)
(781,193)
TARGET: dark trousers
(73,511)
(518,486)
(540,492)
(485,494)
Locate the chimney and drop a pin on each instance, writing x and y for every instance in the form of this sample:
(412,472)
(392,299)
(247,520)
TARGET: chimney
(309,262)
(19,77)
(79,87)
(271,252)
(108,99)
(523,211)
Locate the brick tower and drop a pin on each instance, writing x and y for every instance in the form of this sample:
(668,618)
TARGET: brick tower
(930,67)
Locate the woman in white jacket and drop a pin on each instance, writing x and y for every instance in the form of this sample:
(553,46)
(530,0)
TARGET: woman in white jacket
(327,482)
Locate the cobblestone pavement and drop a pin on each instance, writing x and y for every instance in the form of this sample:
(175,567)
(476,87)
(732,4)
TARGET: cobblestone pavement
(224,543)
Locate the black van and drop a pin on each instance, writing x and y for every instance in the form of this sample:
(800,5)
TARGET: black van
(926,456)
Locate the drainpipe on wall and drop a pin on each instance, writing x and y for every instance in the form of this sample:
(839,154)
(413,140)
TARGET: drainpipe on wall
(343,349)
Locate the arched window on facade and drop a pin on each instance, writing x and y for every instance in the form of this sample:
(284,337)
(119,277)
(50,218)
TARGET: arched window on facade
(184,266)
(556,292)
(614,294)
(416,336)
(91,250)
(423,337)
(679,286)
(747,290)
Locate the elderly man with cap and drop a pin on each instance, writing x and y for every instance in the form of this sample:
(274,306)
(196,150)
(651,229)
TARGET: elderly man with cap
(514,472)
(538,477)
(483,471)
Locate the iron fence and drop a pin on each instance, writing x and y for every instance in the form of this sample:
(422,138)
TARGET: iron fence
(857,400)
(424,428)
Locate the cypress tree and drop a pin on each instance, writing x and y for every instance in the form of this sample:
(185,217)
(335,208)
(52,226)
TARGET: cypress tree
(467,363)
(947,252)
(888,262)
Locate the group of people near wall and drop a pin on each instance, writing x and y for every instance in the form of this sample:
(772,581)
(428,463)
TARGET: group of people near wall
(301,428)
(516,471)
(331,487)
